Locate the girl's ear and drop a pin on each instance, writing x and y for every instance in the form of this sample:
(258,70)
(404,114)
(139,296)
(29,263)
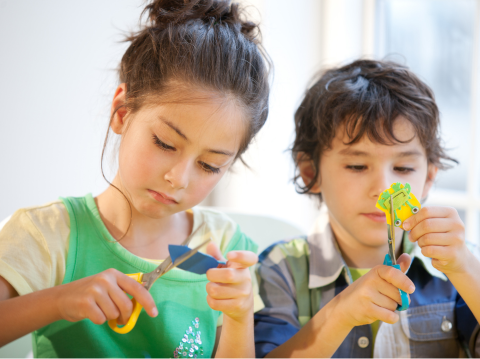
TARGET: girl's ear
(117,123)
(432,171)
(307,172)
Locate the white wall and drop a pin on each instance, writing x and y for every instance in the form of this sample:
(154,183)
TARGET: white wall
(57,76)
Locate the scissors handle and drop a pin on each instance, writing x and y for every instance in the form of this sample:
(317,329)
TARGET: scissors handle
(137,308)
(403,295)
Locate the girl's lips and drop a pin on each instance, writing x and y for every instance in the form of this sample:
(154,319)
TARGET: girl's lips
(162,197)
(376,217)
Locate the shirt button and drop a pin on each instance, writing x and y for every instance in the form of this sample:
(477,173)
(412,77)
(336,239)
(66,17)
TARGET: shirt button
(446,325)
(363,342)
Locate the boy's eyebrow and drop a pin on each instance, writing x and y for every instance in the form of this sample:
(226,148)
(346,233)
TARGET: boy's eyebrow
(180,133)
(350,152)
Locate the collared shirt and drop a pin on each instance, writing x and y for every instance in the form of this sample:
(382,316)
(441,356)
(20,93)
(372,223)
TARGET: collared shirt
(299,277)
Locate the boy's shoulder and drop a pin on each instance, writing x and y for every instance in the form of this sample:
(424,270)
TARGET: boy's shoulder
(293,249)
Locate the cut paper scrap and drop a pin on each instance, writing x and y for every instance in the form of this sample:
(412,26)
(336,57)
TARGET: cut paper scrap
(199,263)
(405,204)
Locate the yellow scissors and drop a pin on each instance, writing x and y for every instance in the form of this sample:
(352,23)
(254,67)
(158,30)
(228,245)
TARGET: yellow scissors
(147,279)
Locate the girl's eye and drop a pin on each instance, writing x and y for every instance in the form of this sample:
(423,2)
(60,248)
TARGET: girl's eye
(403,169)
(162,145)
(358,168)
(208,168)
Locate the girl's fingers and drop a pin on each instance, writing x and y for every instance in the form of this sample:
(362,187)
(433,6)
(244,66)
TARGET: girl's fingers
(107,306)
(431,225)
(228,275)
(241,259)
(214,251)
(123,303)
(385,315)
(389,291)
(135,289)
(95,314)
(228,291)
(428,212)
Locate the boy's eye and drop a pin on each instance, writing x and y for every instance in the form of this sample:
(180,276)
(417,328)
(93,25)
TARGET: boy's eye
(162,144)
(208,168)
(404,169)
(357,168)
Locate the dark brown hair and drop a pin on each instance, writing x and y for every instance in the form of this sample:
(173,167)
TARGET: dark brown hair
(364,98)
(205,44)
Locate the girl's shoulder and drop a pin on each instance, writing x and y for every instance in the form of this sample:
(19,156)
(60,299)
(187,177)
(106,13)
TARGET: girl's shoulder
(34,246)
(223,230)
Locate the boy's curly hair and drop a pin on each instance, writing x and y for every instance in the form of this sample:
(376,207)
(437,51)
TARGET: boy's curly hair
(364,97)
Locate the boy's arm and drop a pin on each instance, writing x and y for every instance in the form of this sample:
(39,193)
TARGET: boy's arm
(440,233)
(277,329)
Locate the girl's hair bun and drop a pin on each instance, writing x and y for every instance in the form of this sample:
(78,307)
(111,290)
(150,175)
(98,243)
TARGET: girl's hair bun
(162,13)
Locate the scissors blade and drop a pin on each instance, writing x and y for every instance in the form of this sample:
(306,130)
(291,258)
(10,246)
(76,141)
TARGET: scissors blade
(391,233)
(166,265)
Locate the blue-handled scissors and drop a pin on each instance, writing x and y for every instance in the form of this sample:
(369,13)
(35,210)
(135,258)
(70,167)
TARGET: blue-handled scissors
(390,259)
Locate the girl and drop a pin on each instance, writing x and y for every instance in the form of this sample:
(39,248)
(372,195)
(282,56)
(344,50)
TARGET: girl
(193,93)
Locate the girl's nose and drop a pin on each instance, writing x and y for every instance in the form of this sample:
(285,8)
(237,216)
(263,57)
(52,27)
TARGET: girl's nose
(178,175)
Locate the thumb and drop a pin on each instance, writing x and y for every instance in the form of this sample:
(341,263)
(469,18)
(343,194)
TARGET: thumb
(214,251)
(404,260)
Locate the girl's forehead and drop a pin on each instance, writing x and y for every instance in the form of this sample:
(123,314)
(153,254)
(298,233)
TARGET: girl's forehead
(207,120)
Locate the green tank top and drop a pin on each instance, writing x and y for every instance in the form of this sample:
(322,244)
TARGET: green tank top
(185,320)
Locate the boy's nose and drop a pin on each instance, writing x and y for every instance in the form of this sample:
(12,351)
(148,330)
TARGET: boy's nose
(380,183)
(178,175)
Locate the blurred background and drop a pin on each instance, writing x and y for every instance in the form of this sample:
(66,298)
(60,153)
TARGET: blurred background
(58,64)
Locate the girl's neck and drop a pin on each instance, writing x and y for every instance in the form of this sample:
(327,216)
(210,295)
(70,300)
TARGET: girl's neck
(147,237)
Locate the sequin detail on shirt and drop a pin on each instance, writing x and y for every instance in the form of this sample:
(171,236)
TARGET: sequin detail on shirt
(191,344)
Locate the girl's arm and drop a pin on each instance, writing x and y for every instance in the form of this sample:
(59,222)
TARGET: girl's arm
(230,291)
(100,297)
(24,314)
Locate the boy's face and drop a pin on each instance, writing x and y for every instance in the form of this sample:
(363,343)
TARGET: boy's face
(352,178)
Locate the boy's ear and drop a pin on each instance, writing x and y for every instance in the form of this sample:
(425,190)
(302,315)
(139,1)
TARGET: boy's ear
(307,171)
(117,123)
(432,171)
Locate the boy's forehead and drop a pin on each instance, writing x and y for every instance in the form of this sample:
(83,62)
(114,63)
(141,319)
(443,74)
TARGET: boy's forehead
(403,130)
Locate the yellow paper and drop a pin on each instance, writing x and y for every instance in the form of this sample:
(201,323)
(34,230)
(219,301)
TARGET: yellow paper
(405,203)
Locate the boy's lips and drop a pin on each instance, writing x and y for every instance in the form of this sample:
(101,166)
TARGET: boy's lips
(162,197)
(376,216)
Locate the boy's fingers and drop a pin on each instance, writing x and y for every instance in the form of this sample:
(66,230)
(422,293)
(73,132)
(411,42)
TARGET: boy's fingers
(142,296)
(431,225)
(427,212)
(241,259)
(435,239)
(214,251)
(404,260)
(396,278)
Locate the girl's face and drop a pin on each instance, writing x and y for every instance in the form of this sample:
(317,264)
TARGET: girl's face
(172,155)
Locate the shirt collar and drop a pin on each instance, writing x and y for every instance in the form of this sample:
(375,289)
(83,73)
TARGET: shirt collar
(327,263)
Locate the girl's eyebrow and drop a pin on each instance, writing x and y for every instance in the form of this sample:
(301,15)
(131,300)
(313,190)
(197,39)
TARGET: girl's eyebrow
(181,134)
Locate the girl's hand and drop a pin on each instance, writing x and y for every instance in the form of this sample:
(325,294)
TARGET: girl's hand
(102,297)
(230,287)
(374,296)
(440,233)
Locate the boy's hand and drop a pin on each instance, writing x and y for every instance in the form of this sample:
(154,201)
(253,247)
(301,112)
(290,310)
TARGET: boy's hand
(440,233)
(230,287)
(102,297)
(375,295)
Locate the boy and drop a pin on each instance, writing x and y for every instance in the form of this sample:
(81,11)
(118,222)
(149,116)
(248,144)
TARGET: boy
(360,128)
